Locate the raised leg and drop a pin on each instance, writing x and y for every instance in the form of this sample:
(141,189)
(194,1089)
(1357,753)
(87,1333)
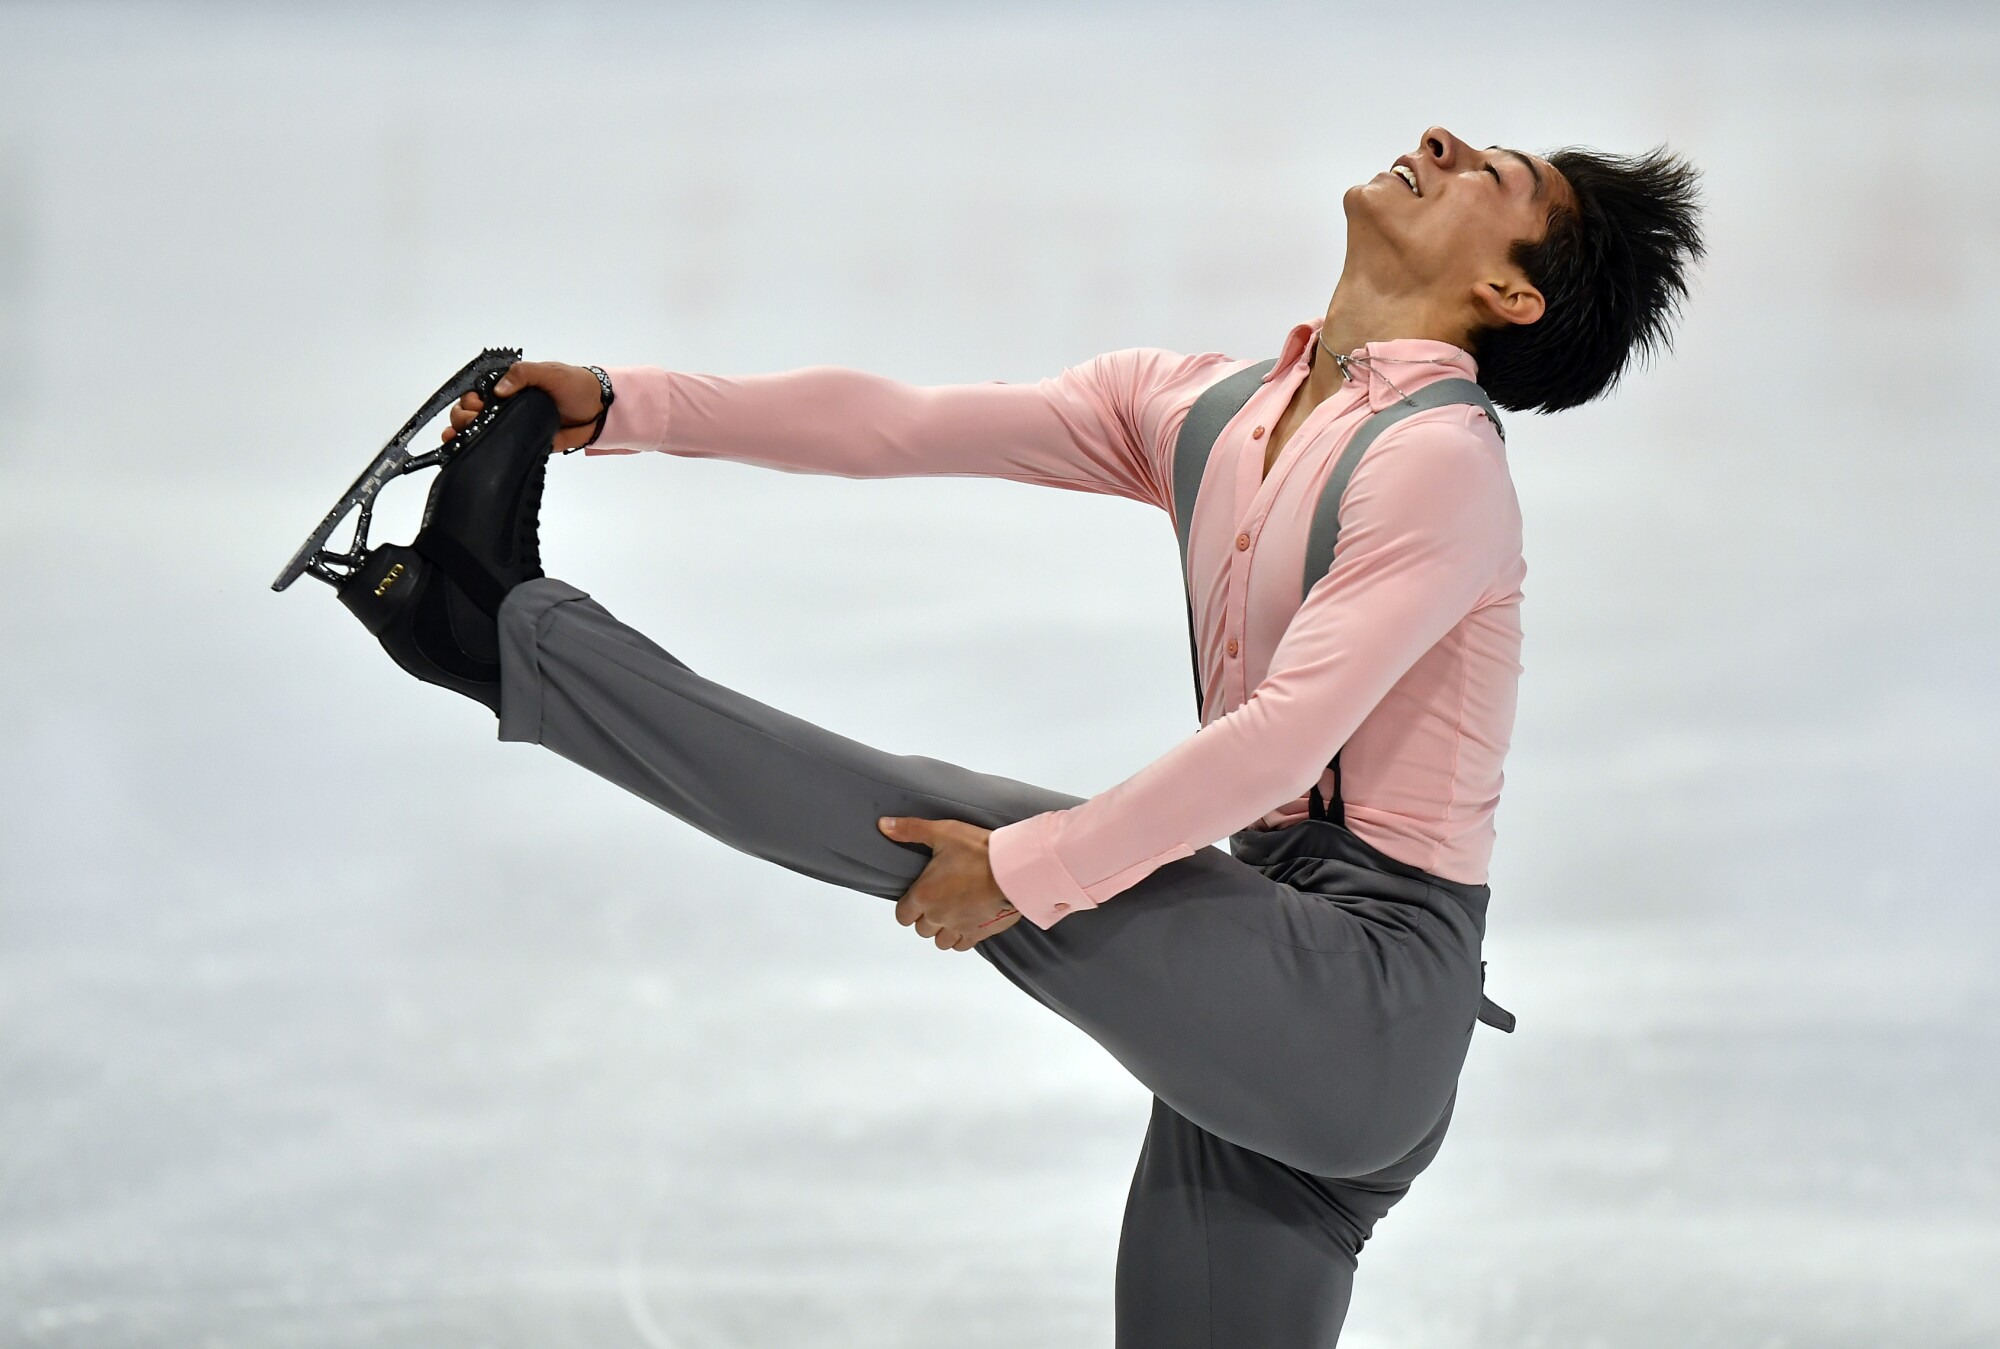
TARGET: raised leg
(1323,1034)
(766,783)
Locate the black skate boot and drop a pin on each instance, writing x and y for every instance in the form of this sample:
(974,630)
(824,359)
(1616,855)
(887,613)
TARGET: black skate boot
(426,623)
(432,603)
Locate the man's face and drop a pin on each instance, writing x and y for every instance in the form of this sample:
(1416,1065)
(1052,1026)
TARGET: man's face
(1454,228)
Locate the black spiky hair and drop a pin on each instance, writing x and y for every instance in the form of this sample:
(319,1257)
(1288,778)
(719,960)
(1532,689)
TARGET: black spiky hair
(1612,268)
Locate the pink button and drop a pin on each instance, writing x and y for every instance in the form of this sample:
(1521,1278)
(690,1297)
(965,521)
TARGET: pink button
(1232,646)
(1062,908)
(1242,542)
(1258,434)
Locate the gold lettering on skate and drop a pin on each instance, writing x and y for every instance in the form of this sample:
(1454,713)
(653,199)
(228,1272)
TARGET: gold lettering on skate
(390,578)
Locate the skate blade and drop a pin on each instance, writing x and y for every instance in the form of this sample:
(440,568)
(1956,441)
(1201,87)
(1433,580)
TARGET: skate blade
(389,464)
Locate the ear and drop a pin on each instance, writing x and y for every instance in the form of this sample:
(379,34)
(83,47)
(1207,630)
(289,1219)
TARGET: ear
(1504,300)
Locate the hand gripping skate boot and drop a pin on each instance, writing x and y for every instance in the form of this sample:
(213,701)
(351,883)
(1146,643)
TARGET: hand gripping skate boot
(432,603)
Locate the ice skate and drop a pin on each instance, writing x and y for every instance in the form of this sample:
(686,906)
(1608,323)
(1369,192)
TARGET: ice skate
(432,603)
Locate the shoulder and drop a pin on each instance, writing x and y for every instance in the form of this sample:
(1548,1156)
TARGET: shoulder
(1440,469)
(1455,443)
(1150,372)
(1154,387)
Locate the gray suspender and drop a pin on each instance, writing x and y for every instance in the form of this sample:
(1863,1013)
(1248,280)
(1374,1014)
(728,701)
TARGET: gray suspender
(1211,412)
(1326,516)
(1217,405)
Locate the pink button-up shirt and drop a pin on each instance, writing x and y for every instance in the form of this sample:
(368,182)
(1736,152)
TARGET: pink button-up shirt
(1404,657)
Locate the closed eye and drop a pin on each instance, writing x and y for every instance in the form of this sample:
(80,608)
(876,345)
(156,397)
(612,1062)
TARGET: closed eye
(1496,175)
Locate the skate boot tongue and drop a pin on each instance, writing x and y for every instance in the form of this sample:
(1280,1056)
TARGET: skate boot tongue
(482,521)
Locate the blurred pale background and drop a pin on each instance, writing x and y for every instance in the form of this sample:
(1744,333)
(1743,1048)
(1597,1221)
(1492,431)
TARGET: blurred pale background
(325,1019)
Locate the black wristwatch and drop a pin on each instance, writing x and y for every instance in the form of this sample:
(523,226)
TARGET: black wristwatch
(603,383)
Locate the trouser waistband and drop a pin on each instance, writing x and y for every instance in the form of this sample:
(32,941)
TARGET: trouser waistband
(1326,839)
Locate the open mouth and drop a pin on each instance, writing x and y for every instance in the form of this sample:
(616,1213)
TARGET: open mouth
(1409,177)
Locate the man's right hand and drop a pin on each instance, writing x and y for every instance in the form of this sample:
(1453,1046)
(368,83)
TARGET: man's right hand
(577,395)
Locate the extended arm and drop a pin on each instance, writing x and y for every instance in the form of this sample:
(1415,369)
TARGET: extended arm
(1092,428)
(1428,524)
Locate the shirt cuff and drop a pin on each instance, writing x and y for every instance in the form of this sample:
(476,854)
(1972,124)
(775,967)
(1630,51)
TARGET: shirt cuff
(638,417)
(1027,870)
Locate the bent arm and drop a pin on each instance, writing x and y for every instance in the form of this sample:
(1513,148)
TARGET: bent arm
(1092,428)
(1428,525)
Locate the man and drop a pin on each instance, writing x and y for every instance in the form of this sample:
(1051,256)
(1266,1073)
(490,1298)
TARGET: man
(1300,1009)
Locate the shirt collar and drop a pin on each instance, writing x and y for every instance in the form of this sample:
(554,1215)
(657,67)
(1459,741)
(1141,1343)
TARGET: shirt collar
(1409,361)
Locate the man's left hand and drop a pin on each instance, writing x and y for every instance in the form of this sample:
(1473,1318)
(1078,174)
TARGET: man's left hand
(955,902)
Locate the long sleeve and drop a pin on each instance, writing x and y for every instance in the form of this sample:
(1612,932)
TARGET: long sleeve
(1428,524)
(1092,428)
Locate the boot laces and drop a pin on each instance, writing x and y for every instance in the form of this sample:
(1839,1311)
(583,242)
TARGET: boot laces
(527,536)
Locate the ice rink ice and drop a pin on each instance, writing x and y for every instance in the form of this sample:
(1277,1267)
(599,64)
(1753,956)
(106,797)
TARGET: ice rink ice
(328,1020)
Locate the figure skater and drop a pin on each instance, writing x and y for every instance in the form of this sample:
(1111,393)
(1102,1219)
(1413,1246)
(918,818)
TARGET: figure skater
(1299,1006)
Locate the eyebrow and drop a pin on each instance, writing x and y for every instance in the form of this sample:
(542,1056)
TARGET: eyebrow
(1533,172)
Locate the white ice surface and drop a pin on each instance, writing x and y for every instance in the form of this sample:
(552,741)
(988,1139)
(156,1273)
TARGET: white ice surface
(325,1020)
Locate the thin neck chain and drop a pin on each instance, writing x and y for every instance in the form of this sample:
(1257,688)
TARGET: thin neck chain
(1344,361)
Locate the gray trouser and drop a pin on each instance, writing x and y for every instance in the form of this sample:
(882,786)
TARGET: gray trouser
(1300,1010)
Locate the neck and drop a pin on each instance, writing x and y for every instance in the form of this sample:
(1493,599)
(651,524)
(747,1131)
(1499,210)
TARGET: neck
(1361,312)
